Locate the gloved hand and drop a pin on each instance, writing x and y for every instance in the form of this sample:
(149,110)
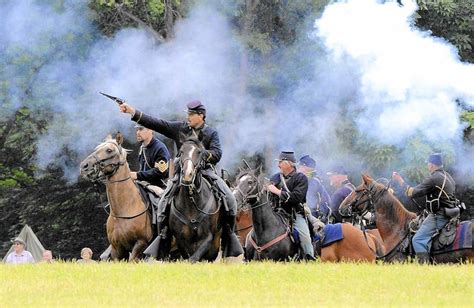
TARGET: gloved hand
(206,155)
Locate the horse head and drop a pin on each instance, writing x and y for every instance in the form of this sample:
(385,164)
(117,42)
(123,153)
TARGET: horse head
(190,158)
(363,198)
(105,160)
(249,184)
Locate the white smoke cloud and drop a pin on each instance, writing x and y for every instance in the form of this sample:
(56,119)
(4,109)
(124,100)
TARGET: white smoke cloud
(409,80)
(398,80)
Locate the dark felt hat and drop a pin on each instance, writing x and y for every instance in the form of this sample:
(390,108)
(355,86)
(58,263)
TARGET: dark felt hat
(436,159)
(196,107)
(287,155)
(307,161)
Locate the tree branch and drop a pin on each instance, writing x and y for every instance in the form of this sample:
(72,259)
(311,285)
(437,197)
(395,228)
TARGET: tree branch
(158,37)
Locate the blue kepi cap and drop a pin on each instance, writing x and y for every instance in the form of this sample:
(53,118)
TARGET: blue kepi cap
(307,161)
(436,159)
(287,155)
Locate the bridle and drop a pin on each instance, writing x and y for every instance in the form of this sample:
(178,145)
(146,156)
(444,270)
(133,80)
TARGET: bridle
(366,196)
(100,164)
(196,166)
(253,193)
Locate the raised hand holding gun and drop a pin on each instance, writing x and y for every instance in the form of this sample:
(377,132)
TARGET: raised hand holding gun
(124,107)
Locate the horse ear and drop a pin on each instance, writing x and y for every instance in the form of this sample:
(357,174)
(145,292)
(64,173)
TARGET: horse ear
(119,138)
(260,170)
(367,179)
(182,136)
(246,164)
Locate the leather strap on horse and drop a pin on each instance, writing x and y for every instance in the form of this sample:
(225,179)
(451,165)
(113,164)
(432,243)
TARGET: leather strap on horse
(277,239)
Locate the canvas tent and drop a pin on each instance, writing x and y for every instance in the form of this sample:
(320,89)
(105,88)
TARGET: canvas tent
(33,245)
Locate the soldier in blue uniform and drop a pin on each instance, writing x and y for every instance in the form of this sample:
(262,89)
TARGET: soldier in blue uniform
(289,188)
(439,190)
(153,159)
(339,180)
(196,122)
(317,198)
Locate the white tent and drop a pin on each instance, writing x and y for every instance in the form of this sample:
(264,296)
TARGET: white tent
(33,245)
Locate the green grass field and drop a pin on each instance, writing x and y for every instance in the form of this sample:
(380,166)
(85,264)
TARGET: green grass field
(255,284)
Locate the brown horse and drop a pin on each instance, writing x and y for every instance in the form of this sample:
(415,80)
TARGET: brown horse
(269,229)
(393,221)
(128,225)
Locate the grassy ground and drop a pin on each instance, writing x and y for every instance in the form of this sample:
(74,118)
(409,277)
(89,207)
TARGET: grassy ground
(255,284)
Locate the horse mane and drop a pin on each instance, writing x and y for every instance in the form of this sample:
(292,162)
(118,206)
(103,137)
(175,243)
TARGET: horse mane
(192,138)
(394,209)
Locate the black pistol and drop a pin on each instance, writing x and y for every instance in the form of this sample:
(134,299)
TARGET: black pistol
(115,99)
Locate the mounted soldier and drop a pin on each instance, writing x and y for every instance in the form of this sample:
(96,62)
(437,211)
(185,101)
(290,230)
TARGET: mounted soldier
(339,179)
(195,124)
(153,160)
(289,188)
(439,190)
(317,198)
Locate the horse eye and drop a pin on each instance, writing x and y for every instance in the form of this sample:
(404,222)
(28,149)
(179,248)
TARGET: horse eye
(251,182)
(109,151)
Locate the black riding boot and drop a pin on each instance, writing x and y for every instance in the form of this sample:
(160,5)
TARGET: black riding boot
(231,246)
(423,258)
(161,245)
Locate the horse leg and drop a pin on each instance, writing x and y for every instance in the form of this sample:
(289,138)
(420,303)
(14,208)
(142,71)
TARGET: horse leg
(138,250)
(118,253)
(203,248)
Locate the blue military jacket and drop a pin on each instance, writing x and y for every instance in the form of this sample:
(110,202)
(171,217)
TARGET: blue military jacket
(317,198)
(295,196)
(154,163)
(172,129)
(338,196)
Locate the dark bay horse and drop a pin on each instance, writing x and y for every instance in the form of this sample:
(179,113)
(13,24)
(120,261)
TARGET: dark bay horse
(194,213)
(243,219)
(128,225)
(270,238)
(393,222)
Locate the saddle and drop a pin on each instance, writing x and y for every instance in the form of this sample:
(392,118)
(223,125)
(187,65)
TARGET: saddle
(151,196)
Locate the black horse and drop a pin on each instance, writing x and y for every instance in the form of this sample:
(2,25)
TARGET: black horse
(194,212)
(269,238)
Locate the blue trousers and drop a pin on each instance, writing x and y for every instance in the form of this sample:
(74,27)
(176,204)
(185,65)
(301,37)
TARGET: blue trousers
(422,238)
(301,225)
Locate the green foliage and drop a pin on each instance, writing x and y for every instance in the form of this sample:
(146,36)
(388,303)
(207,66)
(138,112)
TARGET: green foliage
(452,20)
(113,15)
(468,116)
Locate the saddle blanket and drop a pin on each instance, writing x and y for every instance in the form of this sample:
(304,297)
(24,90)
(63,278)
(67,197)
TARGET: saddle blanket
(463,239)
(332,233)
